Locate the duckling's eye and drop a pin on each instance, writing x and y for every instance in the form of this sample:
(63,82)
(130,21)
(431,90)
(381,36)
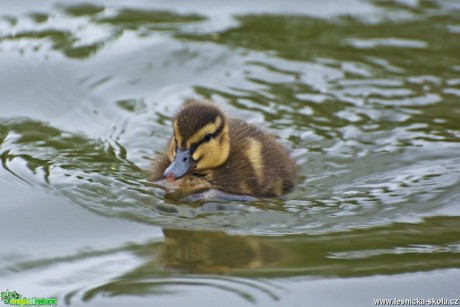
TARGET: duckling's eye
(207,138)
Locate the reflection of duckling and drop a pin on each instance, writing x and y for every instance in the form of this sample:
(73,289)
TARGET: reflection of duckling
(209,151)
(216,252)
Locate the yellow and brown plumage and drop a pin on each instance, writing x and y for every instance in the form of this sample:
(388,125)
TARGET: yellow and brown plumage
(209,151)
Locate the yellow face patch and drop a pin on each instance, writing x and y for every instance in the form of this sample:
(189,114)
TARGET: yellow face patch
(208,154)
(213,153)
(208,129)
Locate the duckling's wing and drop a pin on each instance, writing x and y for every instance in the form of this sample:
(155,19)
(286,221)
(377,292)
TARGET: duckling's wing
(258,163)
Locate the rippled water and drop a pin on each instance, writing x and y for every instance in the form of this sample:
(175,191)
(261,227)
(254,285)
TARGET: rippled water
(366,93)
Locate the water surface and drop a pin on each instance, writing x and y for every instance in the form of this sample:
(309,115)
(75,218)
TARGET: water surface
(366,93)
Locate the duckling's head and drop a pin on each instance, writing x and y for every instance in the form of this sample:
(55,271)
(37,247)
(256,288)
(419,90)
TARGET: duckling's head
(200,140)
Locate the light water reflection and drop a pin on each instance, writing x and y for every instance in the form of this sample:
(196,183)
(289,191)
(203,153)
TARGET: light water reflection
(244,265)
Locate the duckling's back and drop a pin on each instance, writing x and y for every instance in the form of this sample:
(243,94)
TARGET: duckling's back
(257,163)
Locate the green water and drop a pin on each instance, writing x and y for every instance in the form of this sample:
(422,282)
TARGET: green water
(366,93)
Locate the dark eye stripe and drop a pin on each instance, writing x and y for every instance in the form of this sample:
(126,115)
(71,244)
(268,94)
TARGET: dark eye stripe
(219,130)
(193,147)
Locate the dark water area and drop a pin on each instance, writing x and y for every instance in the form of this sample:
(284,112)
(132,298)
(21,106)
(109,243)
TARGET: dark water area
(366,93)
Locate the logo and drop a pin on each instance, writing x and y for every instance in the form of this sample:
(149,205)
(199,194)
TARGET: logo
(14,298)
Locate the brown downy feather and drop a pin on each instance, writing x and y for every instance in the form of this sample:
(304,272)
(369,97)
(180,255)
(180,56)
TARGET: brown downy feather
(256,165)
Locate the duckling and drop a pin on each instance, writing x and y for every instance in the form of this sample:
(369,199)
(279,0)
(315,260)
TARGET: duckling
(210,151)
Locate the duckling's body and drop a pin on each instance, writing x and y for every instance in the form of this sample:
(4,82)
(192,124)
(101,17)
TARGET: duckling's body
(209,151)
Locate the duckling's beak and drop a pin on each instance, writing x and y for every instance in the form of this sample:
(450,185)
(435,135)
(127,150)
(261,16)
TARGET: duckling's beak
(182,163)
